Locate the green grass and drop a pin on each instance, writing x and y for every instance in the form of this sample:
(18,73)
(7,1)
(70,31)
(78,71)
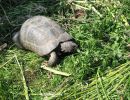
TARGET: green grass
(100,67)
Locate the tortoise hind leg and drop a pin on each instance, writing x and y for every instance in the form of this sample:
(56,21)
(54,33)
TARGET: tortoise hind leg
(53,59)
(16,39)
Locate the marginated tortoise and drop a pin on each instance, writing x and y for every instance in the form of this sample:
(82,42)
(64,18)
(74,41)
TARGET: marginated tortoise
(44,37)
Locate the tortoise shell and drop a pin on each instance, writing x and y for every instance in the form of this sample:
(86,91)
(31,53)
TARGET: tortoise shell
(42,35)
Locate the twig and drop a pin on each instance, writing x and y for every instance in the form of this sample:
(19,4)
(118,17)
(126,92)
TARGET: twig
(3,46)
(55,71)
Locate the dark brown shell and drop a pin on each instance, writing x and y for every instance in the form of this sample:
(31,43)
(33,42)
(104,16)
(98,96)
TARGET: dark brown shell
(42,35)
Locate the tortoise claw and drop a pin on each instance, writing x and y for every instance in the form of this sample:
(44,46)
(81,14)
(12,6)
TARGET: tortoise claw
(45,63)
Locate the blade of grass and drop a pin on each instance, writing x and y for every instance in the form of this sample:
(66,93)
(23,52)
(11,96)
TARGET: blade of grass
(117,85)
(7,62)
(103,88)
(23,80)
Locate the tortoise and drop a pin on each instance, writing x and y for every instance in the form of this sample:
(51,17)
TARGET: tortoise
(44,36)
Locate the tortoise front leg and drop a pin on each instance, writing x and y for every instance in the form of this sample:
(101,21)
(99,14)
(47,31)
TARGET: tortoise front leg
(53,59)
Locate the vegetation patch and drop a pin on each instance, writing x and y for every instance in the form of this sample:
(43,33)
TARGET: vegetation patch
(100,69)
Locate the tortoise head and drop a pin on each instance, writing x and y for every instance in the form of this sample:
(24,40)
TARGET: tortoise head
(68,47)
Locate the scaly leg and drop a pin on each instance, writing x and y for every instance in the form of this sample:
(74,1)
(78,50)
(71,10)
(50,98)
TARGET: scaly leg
(53,59)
